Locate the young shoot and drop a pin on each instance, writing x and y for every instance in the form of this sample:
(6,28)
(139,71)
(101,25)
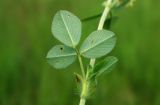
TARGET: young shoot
(66,27)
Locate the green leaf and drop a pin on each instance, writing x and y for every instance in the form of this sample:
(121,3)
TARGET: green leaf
(110,21)
(91,17)
(61,56)
(98,43)
(66,27)
(105,65)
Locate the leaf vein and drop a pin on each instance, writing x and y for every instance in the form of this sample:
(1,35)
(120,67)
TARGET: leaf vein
(70,36)
(95,45)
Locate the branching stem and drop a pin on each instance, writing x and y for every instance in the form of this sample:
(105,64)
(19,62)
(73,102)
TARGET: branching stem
(92,61)
(102,21)
(82,100)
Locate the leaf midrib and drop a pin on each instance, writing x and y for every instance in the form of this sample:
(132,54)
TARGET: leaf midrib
(96,44)
(70,36)
(66,55)
(109,64)
(106,68)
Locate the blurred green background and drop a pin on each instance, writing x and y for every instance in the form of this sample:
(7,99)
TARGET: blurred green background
(25,38)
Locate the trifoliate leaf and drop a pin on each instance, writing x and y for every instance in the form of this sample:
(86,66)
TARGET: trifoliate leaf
(98,43)
(66,27)
(61,56)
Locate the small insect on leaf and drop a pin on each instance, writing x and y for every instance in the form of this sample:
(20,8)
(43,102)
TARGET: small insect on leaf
(106,65)
(66,27)
(61,56)
(98,43)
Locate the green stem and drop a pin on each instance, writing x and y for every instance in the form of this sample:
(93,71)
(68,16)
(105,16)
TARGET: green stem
(102,21)
(82,101)
(81,64)
(85,84)
(84,92)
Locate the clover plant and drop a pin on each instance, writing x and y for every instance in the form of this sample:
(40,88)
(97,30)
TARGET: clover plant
(67,28)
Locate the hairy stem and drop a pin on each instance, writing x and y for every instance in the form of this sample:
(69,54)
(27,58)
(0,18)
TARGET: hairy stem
(102,21)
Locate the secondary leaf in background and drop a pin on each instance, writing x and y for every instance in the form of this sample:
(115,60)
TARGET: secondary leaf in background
(105,65)
(66,27)
(91,17)
(98,43)
(61,56)
(110,21)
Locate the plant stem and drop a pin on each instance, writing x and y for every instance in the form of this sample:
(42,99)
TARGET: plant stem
(102,21)
(82,101)
(92,61)
(84,86)
(81,64)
